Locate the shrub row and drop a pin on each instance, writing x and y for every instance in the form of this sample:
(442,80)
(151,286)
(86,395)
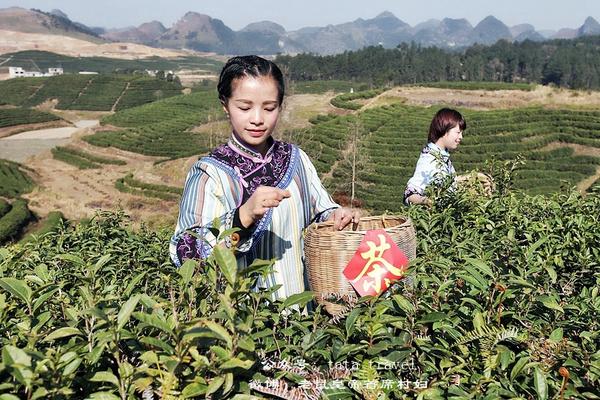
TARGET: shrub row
(14,220)
(14,180)
(128,184)
(82,159)
(21,116)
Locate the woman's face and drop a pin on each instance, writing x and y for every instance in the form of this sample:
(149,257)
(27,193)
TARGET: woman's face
(253,110)
(451,139)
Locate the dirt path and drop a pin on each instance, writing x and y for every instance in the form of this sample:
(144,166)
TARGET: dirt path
(114,106)
(12,130)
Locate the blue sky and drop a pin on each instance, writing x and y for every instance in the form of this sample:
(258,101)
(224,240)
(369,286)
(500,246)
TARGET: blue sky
(543,14)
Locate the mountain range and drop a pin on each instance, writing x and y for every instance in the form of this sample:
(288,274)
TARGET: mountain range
(202,33)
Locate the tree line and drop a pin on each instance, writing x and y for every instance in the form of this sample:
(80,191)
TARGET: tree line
(571,63)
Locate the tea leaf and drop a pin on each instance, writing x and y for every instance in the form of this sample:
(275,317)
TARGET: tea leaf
(237,363)
(539,381)
(550,302)
(300,299)
(103,396)
(219,331)
(556,335)
(17,288)
(105,376)
(186,271)
(432,317)
(481,266)
(126,310)
(14,356)
(227,263)
(214,385)
(62,333)
(194,389)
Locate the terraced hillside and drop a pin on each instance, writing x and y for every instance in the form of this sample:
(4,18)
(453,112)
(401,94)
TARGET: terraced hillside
(388,140)
(20,116)
(87,92)
(162,127)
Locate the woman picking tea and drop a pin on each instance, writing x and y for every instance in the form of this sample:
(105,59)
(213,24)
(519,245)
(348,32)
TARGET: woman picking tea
(266,188)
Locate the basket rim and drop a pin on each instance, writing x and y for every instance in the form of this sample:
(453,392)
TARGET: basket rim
(318,226)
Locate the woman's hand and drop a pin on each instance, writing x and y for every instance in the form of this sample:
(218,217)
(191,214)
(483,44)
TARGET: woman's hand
(343,216)
(418,199)
(263,198)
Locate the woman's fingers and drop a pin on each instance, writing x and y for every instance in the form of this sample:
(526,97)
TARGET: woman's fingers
(343,216)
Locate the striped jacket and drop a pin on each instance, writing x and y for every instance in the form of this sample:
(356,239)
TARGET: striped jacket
(215,189)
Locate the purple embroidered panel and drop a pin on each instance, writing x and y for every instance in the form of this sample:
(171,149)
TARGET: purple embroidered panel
(253,169)
(187,248)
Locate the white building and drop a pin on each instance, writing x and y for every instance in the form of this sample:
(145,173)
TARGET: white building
(18,72)
(55,71)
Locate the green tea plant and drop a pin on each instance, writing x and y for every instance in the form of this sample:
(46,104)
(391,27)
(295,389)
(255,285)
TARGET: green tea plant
(82,159)
(128,184)
(14,179)
(392,136)
(501,302)
(20,116)
(345,100)
(14,220)
(50,224)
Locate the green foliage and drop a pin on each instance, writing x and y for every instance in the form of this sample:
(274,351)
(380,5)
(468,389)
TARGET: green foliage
(101,92)
(128,184)
(4,207)
(14,179)
(567,63)
(82,159)
(14,220)
(50,224)
(389,140)
(161,128)
(504,292)
(20,116)
(480,85)
(345,100)
(319,87)
(147,90)
(42,59)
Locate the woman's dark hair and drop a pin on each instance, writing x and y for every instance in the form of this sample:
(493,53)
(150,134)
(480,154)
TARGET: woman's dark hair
(443,121)
(255,66)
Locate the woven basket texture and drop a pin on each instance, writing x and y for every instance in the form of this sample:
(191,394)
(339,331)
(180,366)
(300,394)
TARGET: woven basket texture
(328,251)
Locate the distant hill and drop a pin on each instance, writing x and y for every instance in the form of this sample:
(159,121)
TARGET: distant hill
(36,21)
(490,30)
(146,33)
(201,32)
(589,27)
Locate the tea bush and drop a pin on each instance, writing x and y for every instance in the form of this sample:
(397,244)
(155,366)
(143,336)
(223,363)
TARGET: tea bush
(14,220)
(128,184)
(82,159)
(502,302)
(14,179)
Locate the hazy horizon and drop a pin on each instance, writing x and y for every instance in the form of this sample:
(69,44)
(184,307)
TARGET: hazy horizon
(112,14)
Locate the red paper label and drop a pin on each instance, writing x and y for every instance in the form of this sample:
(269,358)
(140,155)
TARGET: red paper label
(377,263)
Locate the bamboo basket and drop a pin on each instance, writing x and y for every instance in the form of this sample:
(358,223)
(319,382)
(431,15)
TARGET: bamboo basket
(328,252)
